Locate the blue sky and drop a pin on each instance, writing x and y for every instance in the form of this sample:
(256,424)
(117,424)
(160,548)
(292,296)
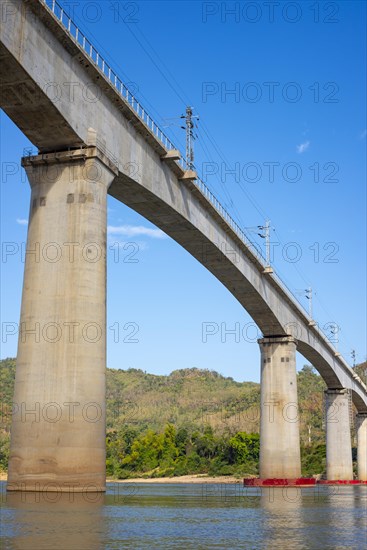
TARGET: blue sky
(296,107)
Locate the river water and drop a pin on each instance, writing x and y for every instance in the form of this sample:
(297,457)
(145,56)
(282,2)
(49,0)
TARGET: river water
(186,516)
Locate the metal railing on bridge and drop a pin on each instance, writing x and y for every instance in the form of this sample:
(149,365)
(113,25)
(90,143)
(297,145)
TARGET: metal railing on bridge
(98,60)
(88,48)
(82,41)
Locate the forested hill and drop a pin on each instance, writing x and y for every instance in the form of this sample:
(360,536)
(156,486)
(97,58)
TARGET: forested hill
(190,421)
(184,397)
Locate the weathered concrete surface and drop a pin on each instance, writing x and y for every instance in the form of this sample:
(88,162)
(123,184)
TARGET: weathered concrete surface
(361,427)
(279,422)
(339,463)
(58,427)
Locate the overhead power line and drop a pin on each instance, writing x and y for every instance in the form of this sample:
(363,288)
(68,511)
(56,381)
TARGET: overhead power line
(182,96)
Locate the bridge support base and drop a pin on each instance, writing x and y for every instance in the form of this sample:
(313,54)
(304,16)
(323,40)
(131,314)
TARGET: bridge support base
(361,426)
(279,425)
(339,465)
(58,424)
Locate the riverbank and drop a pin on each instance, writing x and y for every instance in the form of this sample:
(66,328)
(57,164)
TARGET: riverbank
(199,478)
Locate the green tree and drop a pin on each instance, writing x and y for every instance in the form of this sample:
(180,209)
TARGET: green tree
(310,394)
(244,448)
(169,451)
(205,443)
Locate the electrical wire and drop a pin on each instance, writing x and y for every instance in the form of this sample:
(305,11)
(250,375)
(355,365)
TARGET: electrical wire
(184,99)
(115,63)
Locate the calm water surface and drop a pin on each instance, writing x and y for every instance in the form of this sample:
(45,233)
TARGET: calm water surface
(186,516)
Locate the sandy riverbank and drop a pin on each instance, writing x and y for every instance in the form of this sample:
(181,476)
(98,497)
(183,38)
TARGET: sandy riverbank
(179,479)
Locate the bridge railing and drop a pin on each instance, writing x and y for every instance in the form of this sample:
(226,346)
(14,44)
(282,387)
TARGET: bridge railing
(255,249)
(98,60)
(83,42)
(230,221)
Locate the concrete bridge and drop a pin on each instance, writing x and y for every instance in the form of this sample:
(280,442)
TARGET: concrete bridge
(87,149)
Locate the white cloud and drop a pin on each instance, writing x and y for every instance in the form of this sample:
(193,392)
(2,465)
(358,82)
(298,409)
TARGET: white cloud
(22,221)
(303,147)
(130,247)
(135,231)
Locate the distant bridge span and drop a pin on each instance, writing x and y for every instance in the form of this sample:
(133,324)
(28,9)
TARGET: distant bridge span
(46,64)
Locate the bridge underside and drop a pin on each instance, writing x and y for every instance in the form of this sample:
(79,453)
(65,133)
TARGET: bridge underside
(34,51)
(30,108)
(206,252)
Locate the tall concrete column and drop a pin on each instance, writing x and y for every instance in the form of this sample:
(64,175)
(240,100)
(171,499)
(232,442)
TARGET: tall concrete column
(339,463)
(361,427)
(279,424)
(58,424)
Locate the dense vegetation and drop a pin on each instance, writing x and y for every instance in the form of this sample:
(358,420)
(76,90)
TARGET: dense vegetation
(192,421)
(180,451)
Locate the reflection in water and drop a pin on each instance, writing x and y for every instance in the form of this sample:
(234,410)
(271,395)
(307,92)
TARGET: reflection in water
(60,521)
(319,517)
(284,523)
(338,501)
(187,516)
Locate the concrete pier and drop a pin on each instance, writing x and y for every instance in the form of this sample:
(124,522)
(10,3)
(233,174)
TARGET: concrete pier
(361,427)
(279,424)
(339,464)
(58,425)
